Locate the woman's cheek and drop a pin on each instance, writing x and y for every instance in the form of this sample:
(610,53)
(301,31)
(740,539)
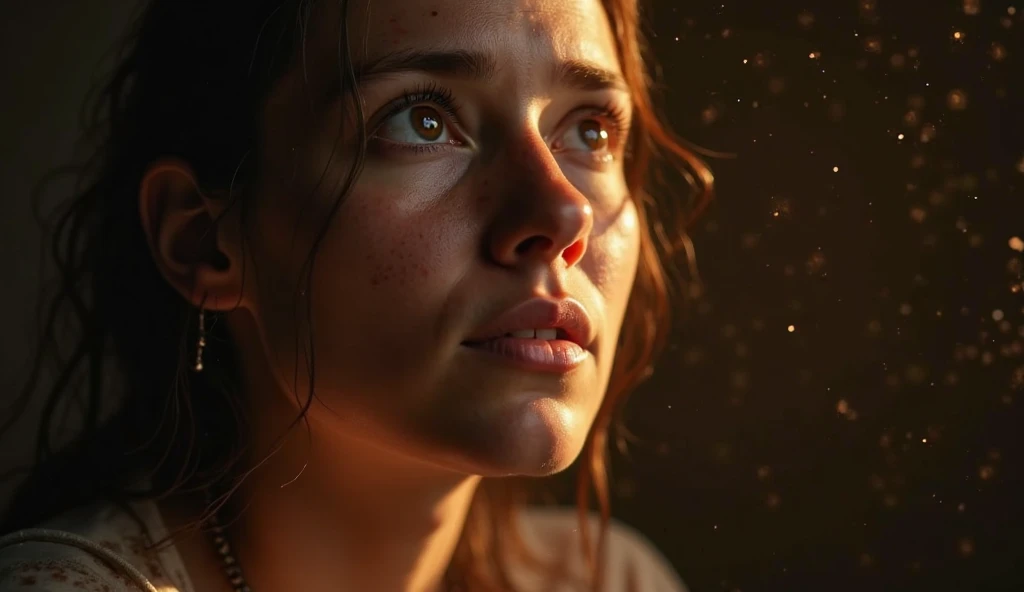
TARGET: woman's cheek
(605,190)
(614,251)
(381,250)
(405,221)
(375,286)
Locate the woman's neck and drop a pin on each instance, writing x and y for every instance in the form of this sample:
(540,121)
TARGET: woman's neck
(330,511)
(304,538)
(332,508)
(323,533)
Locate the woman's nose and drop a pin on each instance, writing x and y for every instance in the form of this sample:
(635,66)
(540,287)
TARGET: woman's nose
(543,216)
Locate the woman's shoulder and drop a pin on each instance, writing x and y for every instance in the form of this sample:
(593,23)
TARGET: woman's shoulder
(101,547)
(632,563)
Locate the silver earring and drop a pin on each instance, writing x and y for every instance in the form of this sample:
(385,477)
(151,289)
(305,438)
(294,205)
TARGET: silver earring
(201,342)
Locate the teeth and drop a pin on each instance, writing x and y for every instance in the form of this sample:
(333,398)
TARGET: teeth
(547,334)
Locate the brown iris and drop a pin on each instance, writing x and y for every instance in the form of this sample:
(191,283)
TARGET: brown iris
(593,135)
(427,122)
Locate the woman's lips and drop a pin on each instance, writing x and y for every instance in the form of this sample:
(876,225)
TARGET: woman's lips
(541,355)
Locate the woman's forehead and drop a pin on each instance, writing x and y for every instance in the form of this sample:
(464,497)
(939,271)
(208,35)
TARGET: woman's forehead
(523,29)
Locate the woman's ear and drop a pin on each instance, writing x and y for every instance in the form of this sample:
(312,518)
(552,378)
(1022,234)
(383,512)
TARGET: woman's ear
(194,239)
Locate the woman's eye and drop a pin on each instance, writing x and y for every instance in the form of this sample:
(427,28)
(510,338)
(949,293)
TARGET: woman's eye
(420,124)
(592,136)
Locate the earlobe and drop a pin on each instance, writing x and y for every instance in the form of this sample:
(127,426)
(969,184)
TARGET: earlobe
(185,230)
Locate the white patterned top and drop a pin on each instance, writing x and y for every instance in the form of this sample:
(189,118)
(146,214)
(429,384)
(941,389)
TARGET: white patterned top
(101,548)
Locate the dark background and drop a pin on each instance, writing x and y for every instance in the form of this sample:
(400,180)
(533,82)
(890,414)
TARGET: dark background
(841,406)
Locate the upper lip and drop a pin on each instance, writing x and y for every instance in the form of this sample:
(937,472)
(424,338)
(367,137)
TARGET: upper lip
(567,315)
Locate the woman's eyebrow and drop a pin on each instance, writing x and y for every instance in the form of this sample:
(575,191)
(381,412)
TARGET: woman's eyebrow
(480,66)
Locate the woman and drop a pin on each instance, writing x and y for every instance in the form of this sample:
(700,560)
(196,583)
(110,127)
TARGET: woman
(362,270)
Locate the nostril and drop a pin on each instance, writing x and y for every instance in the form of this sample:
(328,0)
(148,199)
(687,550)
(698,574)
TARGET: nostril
(573,252)
(529,244)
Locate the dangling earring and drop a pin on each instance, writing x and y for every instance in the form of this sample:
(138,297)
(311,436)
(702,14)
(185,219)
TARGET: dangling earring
(201,342)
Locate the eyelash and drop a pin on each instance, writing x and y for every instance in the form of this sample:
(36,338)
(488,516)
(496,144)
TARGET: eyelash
(616,114)
(444,98)
(425,93)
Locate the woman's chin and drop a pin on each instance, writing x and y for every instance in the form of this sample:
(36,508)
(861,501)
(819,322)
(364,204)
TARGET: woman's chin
(539,438)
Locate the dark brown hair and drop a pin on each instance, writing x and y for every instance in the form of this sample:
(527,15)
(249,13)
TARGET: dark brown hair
(190,83)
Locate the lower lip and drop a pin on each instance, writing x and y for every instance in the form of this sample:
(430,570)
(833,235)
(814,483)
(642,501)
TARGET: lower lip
(542,355)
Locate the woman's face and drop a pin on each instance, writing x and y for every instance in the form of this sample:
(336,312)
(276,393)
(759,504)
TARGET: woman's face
(493,176)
